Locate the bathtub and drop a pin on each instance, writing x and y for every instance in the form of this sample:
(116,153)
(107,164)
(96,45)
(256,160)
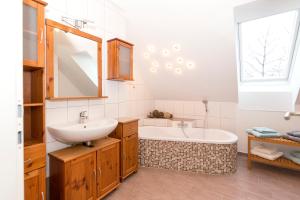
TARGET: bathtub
(209,151)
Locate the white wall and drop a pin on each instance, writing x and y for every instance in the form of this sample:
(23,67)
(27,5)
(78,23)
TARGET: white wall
(11,154)
(205,31)
(125,98)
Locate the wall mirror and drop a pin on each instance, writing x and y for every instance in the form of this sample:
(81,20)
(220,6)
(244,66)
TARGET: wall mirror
(74,68)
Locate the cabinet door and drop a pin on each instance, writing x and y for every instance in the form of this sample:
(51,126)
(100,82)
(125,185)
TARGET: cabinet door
(81,178)
(125,61)
(108,164)
(34,185)
(33,34)
(130,154)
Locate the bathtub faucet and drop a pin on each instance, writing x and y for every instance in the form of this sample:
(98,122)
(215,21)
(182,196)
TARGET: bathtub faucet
(182,124)
(288,115)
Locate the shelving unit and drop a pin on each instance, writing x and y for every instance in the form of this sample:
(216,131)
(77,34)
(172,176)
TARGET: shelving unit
(280,162)
(33,99)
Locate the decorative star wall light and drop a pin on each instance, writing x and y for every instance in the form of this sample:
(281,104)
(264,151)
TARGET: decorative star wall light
(173,61)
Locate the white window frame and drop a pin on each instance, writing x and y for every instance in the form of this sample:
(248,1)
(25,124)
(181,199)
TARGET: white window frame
(291,57)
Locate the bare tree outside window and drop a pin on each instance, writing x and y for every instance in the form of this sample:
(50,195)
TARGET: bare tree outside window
(266,47)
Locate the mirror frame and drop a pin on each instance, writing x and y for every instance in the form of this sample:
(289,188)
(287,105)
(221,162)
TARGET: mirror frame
(50,26)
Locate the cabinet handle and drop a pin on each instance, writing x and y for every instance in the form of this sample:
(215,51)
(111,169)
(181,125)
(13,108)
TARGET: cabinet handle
(29,161)
(43,197)
(99,170)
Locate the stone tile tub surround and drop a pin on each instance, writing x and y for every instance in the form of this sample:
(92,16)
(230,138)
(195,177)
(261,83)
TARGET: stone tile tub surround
(203,153)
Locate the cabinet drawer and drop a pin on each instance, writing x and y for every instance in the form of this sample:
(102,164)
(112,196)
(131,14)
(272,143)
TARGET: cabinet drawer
(130,129)
(34,157)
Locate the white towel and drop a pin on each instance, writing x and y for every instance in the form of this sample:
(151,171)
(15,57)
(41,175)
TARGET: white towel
(265,150)
(267,156)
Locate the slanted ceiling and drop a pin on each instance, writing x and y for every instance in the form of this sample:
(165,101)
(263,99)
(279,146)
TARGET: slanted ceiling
(205,32)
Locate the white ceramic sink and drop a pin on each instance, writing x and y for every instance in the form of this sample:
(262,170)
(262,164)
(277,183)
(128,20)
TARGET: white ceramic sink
(75,132)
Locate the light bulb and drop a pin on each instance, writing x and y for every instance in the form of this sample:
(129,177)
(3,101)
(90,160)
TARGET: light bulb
(155,64)
(190,65)
(56,30)
(146,55)
(169,66)
(153,69)
(179,60)
(178,70)
(165,52)
(176,47)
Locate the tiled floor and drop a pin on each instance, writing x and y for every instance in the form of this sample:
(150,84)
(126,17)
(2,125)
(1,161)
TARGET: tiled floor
(261,183)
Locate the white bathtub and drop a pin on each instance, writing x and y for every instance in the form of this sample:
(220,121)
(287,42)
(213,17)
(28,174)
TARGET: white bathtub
(200,135)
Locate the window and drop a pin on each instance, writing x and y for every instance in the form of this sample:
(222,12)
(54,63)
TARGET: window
(266,47)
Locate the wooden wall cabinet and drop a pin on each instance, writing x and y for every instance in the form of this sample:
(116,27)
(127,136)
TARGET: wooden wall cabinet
(127,132)
(85,173)
(120,60)
(33,92)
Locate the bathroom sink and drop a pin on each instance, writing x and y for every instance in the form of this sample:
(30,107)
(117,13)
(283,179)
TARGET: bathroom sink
(87,132)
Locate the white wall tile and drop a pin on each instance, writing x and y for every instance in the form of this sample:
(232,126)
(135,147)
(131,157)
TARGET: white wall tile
(78,103)
(149,122)
(188,108)
(111,90)
(214,109)
(199,108)
(124,109)
(228,125)
(93,102)
(124,90)
(178,108)
(74,113)
(169,106)
(160,105)
(56,104)
(213,122)
(112,110)
(55,116)
(96,112)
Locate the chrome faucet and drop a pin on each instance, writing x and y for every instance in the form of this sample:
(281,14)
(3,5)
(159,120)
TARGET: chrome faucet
(83,117)
(182,124)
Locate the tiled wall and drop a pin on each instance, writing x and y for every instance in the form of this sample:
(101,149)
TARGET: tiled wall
(125,98)
(227,116)
(220,115)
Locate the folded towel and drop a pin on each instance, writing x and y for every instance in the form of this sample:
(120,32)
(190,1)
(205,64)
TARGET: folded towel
(267,156)
(265,150)
(258,134)
(264,130)
(296,139)
(289,155)
(294,133)
(295,154)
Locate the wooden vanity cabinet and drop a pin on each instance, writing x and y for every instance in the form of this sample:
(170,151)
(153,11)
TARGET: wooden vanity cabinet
(85,173)
(33,98)
(127,132)
(108,164)
(120,60)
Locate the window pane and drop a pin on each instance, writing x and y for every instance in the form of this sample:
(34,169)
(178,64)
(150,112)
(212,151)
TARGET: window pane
(266,47)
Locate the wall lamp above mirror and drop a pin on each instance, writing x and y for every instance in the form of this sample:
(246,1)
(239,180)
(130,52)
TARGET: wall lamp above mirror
(74,63)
